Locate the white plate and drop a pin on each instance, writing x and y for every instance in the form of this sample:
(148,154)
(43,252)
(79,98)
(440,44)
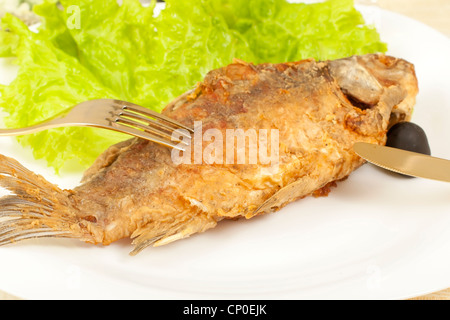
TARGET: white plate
(377,236)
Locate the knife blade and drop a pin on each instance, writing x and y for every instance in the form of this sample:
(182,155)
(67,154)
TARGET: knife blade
(405,162)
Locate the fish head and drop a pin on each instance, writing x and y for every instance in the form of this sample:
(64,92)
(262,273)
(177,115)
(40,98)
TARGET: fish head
(378,81)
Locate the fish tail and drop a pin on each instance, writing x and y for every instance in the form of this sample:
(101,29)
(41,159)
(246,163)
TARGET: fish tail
(35,208)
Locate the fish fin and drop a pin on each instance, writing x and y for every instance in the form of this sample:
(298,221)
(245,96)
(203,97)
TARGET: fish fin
(148,236)
(293,191)
(35,209)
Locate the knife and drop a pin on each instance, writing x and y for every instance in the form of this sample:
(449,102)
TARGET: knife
(405,162)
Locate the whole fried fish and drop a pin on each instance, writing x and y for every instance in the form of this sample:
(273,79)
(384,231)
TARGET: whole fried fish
(134,189)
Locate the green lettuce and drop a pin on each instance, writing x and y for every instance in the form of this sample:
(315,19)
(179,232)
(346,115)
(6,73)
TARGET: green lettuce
(91,49)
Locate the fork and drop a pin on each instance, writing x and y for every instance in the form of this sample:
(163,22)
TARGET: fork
(114,115)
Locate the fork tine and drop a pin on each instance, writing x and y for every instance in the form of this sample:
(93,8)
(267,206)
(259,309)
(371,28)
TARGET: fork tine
(147,112)
(144,135)
(158,124)
(134,124)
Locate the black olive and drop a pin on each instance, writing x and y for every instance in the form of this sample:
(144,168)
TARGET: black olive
(408,136)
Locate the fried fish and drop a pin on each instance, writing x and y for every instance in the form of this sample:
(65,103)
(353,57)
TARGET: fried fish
(319,109)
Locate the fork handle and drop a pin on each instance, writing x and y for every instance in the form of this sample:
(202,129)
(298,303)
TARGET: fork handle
(55,123)
(19,132)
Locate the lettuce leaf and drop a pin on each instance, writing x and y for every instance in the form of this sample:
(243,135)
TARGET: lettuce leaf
(90,49)
(48,82)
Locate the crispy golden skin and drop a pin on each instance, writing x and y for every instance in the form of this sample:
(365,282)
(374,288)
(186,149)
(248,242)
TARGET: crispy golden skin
(320,110)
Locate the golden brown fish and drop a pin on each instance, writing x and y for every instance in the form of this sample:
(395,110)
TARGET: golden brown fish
(317,109)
